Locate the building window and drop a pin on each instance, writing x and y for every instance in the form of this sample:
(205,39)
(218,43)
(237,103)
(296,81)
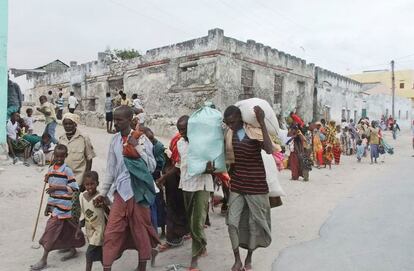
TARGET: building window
(278,89)
(386,113)
(247,76)
(399,114)
(401,85)
(355,116)
(327,113)
(348,115)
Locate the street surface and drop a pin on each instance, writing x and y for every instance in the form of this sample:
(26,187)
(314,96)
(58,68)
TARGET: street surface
(371,230)
(363,209)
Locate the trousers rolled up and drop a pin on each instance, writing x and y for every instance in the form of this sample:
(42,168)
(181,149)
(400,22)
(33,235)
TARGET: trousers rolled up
(196,206)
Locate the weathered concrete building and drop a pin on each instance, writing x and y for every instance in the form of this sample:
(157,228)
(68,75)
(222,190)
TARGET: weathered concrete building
(336,96)
(177,79)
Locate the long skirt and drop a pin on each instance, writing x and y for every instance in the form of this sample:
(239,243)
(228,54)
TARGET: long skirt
(61,234)
(129,227)
(196,206)
(249,221)
(374,151)
(319,157)
(337,154)
(295,166)
(176,219)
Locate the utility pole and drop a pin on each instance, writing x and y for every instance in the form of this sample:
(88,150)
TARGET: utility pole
(393,88)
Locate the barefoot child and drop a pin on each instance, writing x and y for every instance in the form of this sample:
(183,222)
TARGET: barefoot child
(60,233)
(360,150)
(94,218)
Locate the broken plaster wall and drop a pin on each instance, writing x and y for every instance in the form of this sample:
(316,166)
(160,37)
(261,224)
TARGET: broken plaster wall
(177,79)
(336,96)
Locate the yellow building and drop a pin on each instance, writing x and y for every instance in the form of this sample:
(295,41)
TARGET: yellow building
(404,80)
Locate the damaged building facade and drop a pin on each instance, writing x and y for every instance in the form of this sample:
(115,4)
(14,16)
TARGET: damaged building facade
(178,79)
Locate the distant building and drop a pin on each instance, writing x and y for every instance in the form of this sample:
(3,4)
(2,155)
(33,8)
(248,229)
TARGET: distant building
(54,66)
(404,81)
(177,79)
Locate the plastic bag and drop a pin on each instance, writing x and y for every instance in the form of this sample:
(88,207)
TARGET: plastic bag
(275,190)
(206,141)
(248,115)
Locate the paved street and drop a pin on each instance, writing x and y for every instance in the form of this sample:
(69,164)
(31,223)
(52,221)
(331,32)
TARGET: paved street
(371,230)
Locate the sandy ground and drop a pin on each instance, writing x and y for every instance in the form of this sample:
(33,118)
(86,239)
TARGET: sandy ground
(306,208)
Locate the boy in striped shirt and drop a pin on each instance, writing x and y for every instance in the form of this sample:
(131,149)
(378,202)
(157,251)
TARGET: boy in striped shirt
(60,233)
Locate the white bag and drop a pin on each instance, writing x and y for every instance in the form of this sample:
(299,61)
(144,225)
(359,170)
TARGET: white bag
(275,190)
(248,115)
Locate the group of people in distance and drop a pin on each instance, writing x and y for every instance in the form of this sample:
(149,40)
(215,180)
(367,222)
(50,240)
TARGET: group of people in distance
(139,171)
(111,103)
(321,144)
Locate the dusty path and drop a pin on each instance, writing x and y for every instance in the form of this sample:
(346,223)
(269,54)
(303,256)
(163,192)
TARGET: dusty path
(372,230)
(306,208)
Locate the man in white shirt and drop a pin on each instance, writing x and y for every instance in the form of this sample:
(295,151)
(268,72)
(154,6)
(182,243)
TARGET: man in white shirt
(196,191)
(136,102)
(72,102)
(129,224)
(16,143)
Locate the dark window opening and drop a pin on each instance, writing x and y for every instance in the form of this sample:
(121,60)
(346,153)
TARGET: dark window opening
(278,89)
(247,76)
(401,85)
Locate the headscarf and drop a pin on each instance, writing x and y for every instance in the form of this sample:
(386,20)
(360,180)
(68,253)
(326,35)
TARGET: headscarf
(73,117)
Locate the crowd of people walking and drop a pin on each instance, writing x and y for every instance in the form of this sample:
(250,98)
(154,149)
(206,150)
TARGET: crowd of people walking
(321,143)
(147,192)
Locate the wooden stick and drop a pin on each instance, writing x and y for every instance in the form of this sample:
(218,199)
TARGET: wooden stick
(38,213)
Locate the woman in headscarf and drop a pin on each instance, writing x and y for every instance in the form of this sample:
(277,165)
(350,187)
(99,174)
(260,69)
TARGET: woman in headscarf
(317,147)
(333,140)
(80,154)
(297,145)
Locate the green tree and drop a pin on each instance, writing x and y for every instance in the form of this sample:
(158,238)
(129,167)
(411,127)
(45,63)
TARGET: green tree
(125,54)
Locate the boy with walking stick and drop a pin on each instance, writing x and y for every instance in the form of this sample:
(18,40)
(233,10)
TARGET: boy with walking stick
(60,233)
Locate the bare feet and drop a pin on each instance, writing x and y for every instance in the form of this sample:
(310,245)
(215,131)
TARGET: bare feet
(71,255)
(194,263)
(237,266)
(39,265)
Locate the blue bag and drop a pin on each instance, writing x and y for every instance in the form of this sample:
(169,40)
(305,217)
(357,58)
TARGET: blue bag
(206,141)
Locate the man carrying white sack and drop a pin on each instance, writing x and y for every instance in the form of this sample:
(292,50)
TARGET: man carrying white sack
(248,218)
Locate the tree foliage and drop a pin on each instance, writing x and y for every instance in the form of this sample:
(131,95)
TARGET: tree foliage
(125,54)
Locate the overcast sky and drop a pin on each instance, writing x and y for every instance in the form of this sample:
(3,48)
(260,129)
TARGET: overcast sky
(345,36)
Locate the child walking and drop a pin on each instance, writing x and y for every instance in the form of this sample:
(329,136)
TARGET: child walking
(95,221)
(60,233)
(360,150)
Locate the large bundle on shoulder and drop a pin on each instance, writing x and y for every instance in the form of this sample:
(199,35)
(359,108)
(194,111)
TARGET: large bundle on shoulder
(206,141)
(249,117)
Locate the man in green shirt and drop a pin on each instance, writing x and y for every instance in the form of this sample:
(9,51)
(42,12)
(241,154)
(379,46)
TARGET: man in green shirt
(48,110)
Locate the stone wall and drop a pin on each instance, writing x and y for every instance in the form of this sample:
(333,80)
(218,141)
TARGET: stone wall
(178,79)
(336,96)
